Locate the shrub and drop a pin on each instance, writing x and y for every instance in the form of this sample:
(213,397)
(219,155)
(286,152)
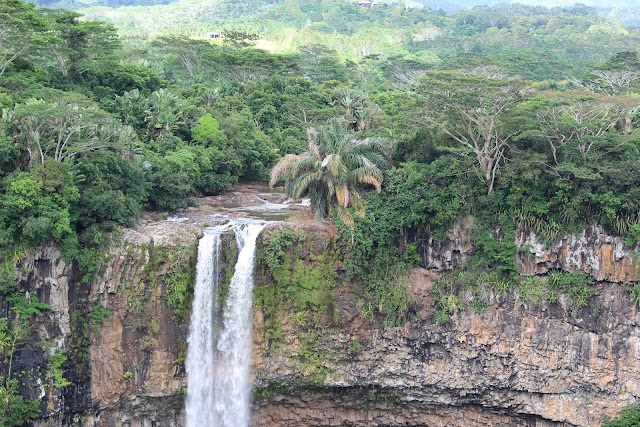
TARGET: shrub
(628,417)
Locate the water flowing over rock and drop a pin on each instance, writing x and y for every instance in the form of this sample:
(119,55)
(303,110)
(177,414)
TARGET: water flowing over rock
(200,398)
(511,364)
(218,389)
(233,355)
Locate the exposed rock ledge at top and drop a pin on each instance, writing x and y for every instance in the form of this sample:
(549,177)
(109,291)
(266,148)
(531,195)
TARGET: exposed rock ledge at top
(162,233)
(593,251)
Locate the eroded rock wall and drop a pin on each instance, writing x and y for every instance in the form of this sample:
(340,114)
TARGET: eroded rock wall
(508,365)
(45,276)
(124,341)
(593,251)
(512,364)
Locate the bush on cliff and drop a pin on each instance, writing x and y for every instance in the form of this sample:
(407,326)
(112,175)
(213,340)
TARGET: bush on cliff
(628,417)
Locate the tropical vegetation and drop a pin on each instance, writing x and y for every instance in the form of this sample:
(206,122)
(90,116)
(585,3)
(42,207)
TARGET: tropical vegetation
(333,168)
(522,117)
(628,417)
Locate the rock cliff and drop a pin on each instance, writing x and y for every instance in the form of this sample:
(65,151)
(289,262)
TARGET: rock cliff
(511,363)
(317,360)
(124,339)
(592,251)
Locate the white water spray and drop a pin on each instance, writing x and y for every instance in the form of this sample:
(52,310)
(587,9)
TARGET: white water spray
(218,391)
(233,355)
(199,407)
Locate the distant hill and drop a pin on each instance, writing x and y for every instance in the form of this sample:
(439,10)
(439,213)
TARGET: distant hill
(626,10)
(451,6)
(79,4)
(448,6)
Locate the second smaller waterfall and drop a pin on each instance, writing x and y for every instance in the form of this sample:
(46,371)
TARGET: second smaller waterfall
(233,353)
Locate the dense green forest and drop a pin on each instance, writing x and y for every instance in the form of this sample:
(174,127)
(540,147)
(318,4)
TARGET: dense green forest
(521,116)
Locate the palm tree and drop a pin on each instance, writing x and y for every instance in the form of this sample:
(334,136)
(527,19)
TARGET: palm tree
(360,113)
(333,169)
(164,113)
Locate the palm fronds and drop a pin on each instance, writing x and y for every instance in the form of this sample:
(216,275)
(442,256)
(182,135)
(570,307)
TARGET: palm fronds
(332,169)
(283,168)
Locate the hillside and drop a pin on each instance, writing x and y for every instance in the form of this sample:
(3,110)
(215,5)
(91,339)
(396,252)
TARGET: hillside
(497,148)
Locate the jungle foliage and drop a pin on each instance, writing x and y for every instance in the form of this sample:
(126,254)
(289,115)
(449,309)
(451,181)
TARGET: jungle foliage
(518,116)
(628,417)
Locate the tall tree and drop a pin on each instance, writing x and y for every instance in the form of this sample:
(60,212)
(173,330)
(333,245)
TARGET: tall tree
(579,126)
(76,46)
(62,129)
(333,169)
(21,30)
(470,108)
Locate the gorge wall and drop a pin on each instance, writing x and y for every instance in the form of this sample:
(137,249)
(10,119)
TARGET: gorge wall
(125,342)
(317,360)
(510,364)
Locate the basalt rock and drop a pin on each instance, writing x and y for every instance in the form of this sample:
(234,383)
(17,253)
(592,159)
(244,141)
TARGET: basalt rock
(510,364)
(123,341)
(593,251)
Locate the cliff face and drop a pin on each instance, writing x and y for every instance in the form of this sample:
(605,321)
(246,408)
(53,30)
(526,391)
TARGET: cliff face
(317,360)
(136,353)
(592,251)
(123,335)
(510,363)
(46,276)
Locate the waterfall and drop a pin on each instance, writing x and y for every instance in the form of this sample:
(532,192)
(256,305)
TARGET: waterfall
(218,391)
(233,352)
(199,406)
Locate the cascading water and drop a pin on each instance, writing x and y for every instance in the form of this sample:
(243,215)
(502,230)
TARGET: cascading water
(200,402)
(218,391)
(233,355)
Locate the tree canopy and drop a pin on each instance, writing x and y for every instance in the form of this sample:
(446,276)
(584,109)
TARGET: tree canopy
(521,117)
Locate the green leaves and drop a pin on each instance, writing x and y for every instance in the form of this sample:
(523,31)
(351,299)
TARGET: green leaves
(36,205)
(277,244)
(22,31)
(495,253)
(55,373)
(206,129)
(415,197)
(173,177)
(26,306)
(25,191)
(332,169)
(15,410)
(628,417)
(470,107)
(64,128)
(165,112)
